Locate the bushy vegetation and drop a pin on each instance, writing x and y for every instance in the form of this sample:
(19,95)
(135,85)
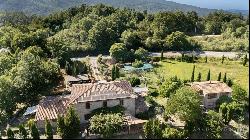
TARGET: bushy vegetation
(134,81)
(69,125)
(106,124)
(108,110)
(137,63)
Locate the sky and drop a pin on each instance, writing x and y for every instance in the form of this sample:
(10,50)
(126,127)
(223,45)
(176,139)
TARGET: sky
(217,4)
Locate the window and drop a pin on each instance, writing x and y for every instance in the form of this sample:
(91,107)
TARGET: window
(87,105)
(87,116)
(211,96)
(104,104)
(225,93)
(121,102)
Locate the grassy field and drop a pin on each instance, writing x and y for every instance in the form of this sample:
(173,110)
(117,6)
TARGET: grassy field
(168,68)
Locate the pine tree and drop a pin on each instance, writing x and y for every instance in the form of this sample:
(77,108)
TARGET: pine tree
(48,130)
(113,74)
(34,132)
(199,77)
(192,77)
(222,60)
(219,77)
(245,60)
(72,124)
(60,126)
(117,72)
(206,59)
(10,134)
(161,55)
(208,75)
(225,78)
(22,132)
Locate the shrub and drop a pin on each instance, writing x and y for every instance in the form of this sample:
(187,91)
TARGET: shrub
(244,60)
(48,130)
(22,132)
(72,124)
(152,129)
(221,100)
(137,63)
(34,132)
(134,81)
(229,82)
(141,54)
(108,110)
(106,124)
(60,126)
(10,134)
(172,133)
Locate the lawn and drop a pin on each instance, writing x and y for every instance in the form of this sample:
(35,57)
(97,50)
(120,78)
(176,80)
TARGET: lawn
(168,68)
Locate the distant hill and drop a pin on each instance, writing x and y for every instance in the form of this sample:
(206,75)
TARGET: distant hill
(243,12)
(44,7)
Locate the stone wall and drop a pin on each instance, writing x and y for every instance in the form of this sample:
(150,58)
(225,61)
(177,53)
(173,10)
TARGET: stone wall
(128,104)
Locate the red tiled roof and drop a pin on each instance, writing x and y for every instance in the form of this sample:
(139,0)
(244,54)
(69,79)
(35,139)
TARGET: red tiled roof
(211,87)
(51,107)
(111,89)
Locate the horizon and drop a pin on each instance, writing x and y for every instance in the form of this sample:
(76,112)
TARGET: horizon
(217,4)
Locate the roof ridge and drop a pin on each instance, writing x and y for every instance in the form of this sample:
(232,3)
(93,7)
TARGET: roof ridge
(77,96)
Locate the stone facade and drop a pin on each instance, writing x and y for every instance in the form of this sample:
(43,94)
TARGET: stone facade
(128,104)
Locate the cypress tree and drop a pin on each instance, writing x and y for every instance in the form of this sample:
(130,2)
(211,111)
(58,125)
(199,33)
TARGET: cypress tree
(60,126)
(192,77)
(182,57)
(225,78)
(74,69)
(206,59)
(10,134)
(48,130)
(68,68)
(72,124)
(161,55)
(245,60)
(199,77)
(117,72)
(22,132)
(113,74)
(219,77)
(208,75)
(229,82)
(222,60)
(192,58)
(34,132)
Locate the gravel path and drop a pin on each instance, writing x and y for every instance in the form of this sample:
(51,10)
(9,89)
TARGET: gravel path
(199,53)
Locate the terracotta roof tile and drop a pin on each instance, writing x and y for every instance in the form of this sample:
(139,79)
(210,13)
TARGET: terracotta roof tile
(51,107)
(211,87)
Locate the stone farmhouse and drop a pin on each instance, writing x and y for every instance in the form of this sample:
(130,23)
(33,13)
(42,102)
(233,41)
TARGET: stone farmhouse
(85,98)
(211,91)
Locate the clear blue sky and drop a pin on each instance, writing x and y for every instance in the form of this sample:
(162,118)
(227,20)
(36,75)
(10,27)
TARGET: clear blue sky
(217,4)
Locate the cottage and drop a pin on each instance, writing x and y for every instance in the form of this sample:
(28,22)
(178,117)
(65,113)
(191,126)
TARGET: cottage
(210,91)
(85,98)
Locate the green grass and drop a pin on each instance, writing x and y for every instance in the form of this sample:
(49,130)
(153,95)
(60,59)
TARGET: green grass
(168,68)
